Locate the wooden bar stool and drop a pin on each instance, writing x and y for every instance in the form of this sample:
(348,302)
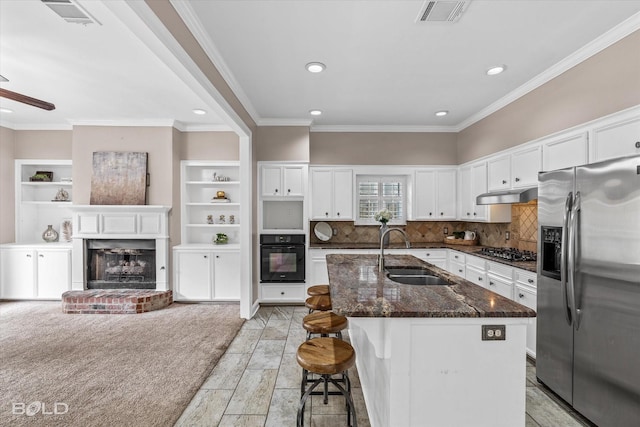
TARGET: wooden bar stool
(324,323)
(318,303)
(326,357)
(318,290)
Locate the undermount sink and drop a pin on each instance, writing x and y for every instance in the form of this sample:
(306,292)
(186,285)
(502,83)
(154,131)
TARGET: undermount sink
(414,276)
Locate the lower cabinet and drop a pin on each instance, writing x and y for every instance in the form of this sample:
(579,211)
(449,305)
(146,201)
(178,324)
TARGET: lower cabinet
(206,274)
(282,292)
(34,272)
(437,257)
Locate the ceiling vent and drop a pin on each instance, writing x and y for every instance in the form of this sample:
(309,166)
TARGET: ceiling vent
(441,11)
(71,12)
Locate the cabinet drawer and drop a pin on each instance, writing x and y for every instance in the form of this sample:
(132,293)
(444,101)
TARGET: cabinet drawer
(500,286)
(526,296)
(457,268)
(476,262)
(282,292)
(501,270)
(456,256)
(479,277)
(528,278)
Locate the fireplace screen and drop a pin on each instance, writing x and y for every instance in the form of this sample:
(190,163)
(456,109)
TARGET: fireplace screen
(121,264)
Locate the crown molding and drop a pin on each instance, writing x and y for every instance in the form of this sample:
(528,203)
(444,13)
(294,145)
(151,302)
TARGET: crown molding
(35,126)
(383,128)
(285,122)
(204,128)
(612,36)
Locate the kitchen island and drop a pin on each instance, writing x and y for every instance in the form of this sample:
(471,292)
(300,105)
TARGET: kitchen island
(420,352)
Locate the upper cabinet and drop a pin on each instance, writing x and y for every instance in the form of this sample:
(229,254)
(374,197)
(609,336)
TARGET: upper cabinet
(620,138)
(565,151)
(331,194)
(282,180)
(516,170)
(435,194)
(473,182)
(44,193)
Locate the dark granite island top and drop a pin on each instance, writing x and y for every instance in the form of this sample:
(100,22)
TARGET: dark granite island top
(358,290)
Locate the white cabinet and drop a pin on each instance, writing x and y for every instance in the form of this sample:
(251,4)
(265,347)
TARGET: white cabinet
(331,194)
(620,138)
(517,170)
(282,292)
(36,205)
(437,257)
(565,151)
(203,213)
(282,180)
(499,174)
(54,273)
(203,274)
(527,296)
(34,272)
(435,194)
(473,182)
(475,271)
(17,273)
(500,279)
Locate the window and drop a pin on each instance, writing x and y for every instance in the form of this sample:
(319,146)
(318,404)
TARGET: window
(376,192)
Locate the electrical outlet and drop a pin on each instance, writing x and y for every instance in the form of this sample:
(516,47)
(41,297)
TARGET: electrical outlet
(507,235)
(446,230)
(494,333)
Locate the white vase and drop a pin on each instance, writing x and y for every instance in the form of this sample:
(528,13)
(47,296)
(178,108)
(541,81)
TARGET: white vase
(384,227)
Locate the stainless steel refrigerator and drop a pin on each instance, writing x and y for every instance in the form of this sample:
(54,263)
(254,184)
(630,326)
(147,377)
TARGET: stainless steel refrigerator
(588,323)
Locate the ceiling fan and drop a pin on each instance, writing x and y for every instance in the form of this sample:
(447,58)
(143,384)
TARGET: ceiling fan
(4,93)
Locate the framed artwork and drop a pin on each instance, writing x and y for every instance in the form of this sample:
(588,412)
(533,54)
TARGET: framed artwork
(119,178)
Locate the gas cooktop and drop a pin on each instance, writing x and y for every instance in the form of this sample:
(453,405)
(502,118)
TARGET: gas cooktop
(509,254)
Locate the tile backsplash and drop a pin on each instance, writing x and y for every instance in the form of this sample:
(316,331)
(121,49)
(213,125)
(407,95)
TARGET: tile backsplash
(523,230)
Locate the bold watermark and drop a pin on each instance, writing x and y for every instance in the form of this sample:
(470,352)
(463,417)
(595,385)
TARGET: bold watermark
(33,408)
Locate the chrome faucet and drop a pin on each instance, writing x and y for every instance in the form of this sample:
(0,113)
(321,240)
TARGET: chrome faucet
(381,256)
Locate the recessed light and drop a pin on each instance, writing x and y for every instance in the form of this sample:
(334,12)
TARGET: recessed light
(315,112)
(5,110)
(442,113)
(315,67)
(199,111)
(496,70)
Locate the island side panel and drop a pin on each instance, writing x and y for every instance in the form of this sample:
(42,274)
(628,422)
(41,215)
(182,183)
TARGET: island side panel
(434,371)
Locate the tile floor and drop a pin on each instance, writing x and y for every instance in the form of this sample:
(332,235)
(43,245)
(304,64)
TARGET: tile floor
(257,383)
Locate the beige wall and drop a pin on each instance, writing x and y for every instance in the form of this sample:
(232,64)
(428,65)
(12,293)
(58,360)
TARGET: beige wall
(603,84)
(282,143)
(43,144)
(383,148)
(209,145)
(7,185)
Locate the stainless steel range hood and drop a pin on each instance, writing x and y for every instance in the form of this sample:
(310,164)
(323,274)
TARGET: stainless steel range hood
(522,195)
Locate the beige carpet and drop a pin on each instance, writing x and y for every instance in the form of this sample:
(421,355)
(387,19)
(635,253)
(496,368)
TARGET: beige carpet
(109,370)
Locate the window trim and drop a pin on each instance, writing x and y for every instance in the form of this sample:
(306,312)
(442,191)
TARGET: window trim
(380,178)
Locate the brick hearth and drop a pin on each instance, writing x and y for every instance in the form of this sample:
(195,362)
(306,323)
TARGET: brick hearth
(127,301)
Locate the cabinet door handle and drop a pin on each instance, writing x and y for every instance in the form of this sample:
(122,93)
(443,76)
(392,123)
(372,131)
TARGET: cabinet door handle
(455,256)
(474,214)
(479,279)
(217,256)
(430,213)
(441,213)
(530,280)
(637,144)
(41,256)
(288,190)
(459,270)
(504,181)
(517,179)
(28,255)
(205,256)
(520,295)
(282,293)
(491,284)
(276,190)
(338,213)
(468,214)
(428,254)
(162,268)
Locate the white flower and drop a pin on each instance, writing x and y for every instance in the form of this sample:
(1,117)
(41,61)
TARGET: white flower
(383,216)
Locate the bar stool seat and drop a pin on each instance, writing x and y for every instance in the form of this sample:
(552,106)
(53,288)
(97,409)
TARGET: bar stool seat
(318,303)
(318,290)
(326,357)
(324,323)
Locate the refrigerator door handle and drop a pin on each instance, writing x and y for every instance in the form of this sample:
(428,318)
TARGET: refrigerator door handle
(573,238)
(566,235)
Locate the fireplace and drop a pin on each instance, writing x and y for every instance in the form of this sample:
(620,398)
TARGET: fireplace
(121,264)
(120,247)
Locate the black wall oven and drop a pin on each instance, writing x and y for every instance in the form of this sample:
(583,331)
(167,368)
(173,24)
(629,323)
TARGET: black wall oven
(282,258)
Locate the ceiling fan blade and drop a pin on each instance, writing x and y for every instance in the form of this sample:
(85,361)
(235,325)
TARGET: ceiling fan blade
(27,100)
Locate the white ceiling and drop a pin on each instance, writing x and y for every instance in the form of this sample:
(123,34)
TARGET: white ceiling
(384,71)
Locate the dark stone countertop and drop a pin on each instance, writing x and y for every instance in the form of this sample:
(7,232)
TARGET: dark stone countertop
(472,250)
(358,290)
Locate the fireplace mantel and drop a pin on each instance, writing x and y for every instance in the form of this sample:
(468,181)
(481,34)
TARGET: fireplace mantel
(120,222)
